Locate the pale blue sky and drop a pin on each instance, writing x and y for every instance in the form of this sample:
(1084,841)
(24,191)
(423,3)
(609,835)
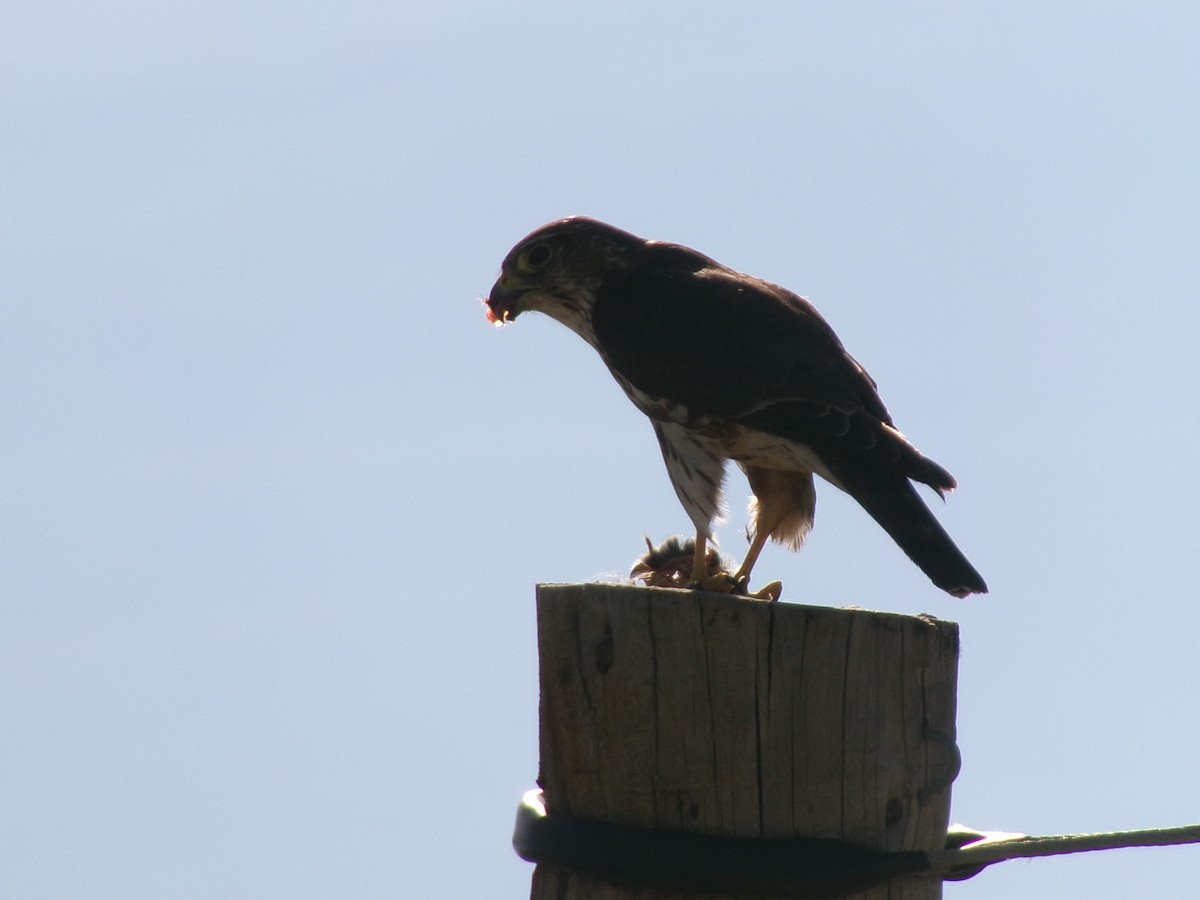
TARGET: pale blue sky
(275,496)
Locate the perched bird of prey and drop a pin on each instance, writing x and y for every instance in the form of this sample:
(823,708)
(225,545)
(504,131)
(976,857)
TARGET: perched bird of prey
(731,367)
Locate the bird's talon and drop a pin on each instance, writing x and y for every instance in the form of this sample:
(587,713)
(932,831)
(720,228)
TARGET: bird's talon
(769,592)
(719,583)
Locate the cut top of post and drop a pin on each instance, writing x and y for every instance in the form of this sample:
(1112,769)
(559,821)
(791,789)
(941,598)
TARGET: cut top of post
(703,712)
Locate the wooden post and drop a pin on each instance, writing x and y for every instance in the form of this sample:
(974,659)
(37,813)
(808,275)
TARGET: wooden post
(703,712)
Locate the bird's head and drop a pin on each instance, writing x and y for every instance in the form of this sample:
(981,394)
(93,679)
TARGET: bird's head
(556,270)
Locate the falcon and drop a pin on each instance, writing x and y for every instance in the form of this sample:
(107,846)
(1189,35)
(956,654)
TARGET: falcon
(731,367)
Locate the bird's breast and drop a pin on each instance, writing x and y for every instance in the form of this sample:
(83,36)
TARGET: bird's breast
(745,446)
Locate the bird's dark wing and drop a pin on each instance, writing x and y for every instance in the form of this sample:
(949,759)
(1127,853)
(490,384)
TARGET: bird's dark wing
(683,326)
(679,326)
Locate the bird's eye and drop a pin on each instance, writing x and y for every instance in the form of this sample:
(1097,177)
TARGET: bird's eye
(536,256)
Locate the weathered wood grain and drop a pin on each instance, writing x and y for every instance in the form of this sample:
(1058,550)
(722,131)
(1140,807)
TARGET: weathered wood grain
(703,712)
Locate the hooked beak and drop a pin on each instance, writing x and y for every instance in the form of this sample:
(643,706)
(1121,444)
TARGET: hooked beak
(504,302)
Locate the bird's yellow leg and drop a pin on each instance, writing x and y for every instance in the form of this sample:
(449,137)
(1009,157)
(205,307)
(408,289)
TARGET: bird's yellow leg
(742,577)
(756,547)
(700,560)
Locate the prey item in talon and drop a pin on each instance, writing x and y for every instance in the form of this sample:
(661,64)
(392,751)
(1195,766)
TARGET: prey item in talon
(670,564)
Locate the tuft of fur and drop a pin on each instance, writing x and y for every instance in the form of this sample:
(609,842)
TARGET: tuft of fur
(670,563)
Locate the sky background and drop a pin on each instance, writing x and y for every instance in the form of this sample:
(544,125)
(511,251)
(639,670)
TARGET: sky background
(275,497)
